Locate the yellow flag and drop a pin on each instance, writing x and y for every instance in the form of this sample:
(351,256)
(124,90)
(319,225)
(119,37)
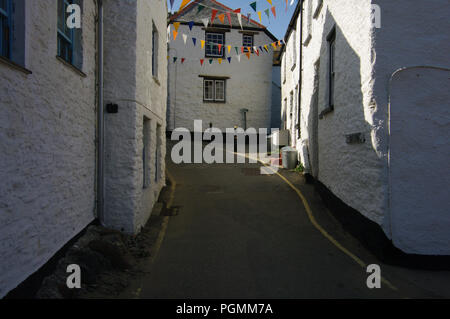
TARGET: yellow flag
(176,25)
(220,61)
(229,48)
(274,45)
(203,43)
(259,15)
(269,1)
(184,3)
(265,46)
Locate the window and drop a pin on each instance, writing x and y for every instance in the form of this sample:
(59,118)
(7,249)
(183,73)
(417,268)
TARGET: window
(155,38)
(212,49)
(69,39)
(214,90)
(317,6)
(247,41)
(308,22)
(331,64)
(158,153)
(5,28)
(145,152)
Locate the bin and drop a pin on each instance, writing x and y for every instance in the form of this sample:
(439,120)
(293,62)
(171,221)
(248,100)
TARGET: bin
(289,157)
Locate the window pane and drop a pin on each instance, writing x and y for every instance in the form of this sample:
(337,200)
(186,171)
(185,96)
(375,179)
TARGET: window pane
(215,38)
(208,90)
(220,90)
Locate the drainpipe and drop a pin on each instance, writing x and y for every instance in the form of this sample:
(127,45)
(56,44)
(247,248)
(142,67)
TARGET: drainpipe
(100,119)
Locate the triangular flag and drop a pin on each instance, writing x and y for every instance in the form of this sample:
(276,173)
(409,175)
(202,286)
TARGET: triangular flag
(203,43)
(182,60)
(205,22)
(274,12)
(175,34)
(191,24)
(287,5)
(183,4)
(175,59)
(236,48)
(184,38)
(259,15)
(210,61)
(242,49)
(239,16)
(200,8)
(229,18)
(176,25)
(253,5)
(249,49)
(213,15)
(237,10)
(229,49)
(194,40)
(267,13)
(279,43)
(171,4)
(229,59)
(274,45)
(269,1)
(266,48)
(239,58)
(257,52)
(221,17)
(220,48)
(201,61)
(260,49)
(248,55)
(220,60)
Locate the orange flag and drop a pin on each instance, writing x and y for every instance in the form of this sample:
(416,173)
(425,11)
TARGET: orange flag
(176,25)
(203,43)
(175,34)
(220,48)
(248,55)
(274,45)
(183,4)
(221,17)
(274,12)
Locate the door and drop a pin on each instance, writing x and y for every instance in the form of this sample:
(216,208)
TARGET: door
(314,140)
(419,161)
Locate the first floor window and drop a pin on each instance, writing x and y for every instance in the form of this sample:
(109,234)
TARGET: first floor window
(214,90)
(212,41)
(155,40)
(247,42)
(331,67)
(5,28)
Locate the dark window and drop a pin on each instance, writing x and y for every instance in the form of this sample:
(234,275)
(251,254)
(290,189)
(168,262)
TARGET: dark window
(155,39)
(212,41)
(145,152)
(69,39)
(247,41)
(214,90)
(331,71)
(5,28)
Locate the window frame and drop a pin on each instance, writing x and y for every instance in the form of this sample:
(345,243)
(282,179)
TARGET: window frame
(211,55)
(8,16)
(214,82)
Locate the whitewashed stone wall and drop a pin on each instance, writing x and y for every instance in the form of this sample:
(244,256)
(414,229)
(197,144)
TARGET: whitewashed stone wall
(130,84)
(366,58)
(47,147)
(249,85)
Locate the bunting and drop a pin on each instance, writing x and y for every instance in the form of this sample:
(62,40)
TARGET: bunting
(253,5)
(274,12)
(239,16)
(184,3)
(191,25)
(176,25)
(213,15)
(194,40)
(184,38)
(221,18)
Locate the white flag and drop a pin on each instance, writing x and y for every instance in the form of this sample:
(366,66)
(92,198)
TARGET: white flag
(205,22)
(184,38)
(239,16)
(239,58)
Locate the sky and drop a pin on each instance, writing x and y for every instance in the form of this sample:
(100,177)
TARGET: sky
(276,26)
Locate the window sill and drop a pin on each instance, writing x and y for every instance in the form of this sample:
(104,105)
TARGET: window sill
(293,67)
(326,111)
(318,9)
(214,102)
(72,67)
(156,80)
(14,65)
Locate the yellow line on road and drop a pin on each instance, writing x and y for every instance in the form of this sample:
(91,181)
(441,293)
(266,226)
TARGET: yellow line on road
(316,224)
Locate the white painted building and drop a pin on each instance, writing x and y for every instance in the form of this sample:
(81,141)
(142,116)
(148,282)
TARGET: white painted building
(369,112)
(219,93)
(48,125)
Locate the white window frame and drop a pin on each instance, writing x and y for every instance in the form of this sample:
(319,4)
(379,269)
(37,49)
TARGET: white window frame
(214,97)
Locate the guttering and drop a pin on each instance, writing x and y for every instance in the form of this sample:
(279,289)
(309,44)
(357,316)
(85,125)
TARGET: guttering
(300,77)
(100,118)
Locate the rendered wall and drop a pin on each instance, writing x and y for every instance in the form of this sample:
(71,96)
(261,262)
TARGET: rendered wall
(47,147)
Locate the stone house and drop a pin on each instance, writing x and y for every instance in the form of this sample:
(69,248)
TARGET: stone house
(219,85)
(65,162)
(365,91)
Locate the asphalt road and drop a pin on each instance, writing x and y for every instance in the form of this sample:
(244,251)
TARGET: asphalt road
(240,234)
